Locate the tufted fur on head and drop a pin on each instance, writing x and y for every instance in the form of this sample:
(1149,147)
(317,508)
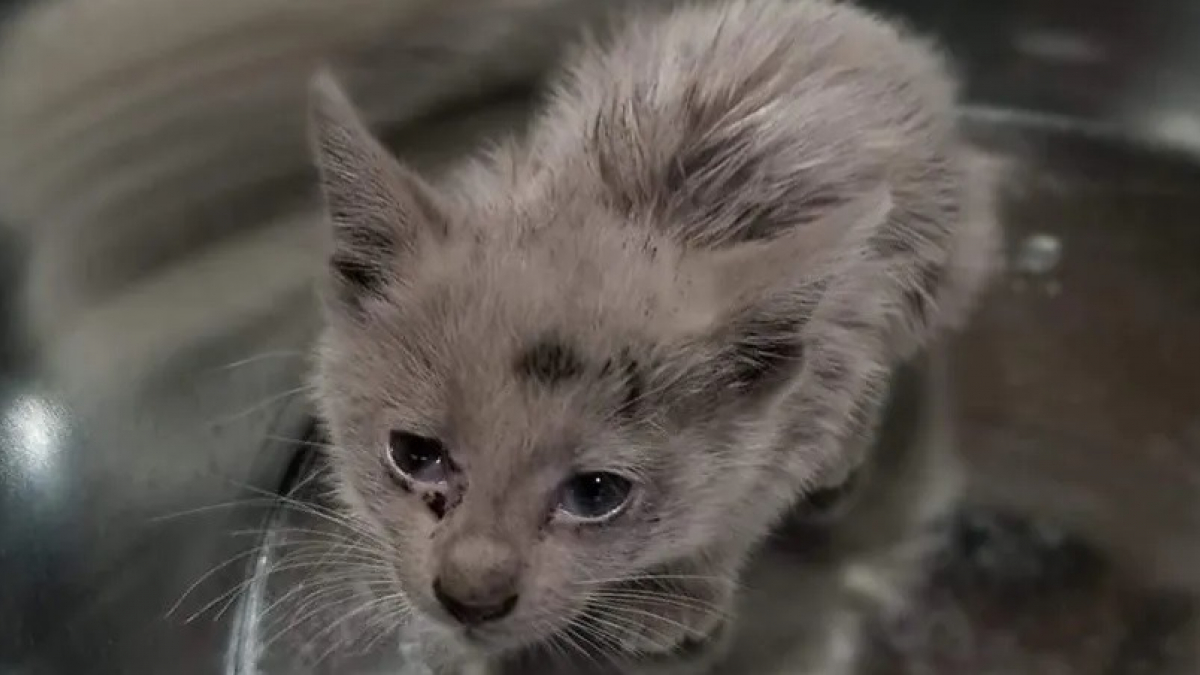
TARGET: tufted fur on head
(695,272)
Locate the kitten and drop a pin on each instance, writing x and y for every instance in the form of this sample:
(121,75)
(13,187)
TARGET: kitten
(575,384)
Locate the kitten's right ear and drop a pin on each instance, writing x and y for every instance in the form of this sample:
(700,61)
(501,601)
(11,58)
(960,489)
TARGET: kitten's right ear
(380,212)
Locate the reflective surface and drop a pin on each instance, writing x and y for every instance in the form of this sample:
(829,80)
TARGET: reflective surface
(1078,399)
(100,534)
(1078,392)
(1080,381)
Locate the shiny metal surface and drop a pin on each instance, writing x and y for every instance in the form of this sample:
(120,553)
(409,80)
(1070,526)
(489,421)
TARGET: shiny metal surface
(1127,68)
(100,537)
(113,502)
(1078,388)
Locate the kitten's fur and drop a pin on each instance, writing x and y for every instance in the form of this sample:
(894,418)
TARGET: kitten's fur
(731,223)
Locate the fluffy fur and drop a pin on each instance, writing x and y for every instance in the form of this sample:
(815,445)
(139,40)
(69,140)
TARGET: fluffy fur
(730,224)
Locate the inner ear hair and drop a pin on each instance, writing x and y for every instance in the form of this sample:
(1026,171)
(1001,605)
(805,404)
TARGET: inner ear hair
(379,211)
(804,254)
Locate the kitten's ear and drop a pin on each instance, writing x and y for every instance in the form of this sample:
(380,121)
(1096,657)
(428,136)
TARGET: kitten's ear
(770,292)
(809,321)
(803,255)
(380,212)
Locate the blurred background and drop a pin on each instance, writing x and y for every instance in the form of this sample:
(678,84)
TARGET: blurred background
(158,250)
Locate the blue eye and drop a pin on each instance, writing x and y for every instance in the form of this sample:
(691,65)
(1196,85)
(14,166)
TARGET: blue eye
(594,496)
(417,458)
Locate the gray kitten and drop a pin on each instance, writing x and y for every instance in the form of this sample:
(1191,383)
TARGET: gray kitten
(572,387)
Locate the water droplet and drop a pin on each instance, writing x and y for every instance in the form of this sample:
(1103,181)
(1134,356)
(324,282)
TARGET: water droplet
(1039,254)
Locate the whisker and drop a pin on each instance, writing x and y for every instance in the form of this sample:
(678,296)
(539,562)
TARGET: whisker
(311,608)
(333,627)
(330,541)
(326,514)
(318,473)
(229,596)
(602,644)
(588,649)
(555,645)
(280,354)
(207,575)
(641,578)
(301,441)
(651,615)
(298,589)
(320,588)
(608,638)
(314,538)
(553,642)
(259,406)
(278,501)
(208,508)
(682,601)
(611,627)
(387,627)
(290,530)
(329,586)
(618,618)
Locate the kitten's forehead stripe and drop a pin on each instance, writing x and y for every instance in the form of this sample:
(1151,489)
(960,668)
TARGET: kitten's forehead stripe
(365,240)
(634,387)
(549,361)
(762,347)
(628,371)
(359,276)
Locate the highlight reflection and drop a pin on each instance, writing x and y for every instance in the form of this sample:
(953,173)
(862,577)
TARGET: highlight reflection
(35,426)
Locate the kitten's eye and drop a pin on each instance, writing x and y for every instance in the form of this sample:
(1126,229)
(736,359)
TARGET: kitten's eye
(595,495)
(417,458)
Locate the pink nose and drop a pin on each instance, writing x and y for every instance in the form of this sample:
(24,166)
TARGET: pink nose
(478,579)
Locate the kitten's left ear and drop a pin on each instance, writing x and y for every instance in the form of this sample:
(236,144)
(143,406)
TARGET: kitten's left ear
(380,212)
(774,296)
(828,244)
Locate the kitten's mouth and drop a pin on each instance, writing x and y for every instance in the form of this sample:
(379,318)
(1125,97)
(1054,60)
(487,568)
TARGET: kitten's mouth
(477,635)
(487,639)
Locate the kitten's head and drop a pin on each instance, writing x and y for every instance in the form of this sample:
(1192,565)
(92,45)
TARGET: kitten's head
(549,409)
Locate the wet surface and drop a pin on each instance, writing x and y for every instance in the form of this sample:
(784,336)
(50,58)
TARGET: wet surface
(1128,67)
(1012,595)
(1078,405)
(1079,381)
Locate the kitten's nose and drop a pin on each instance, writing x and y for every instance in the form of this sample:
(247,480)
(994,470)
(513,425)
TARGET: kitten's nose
(472,614)
(478,579)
